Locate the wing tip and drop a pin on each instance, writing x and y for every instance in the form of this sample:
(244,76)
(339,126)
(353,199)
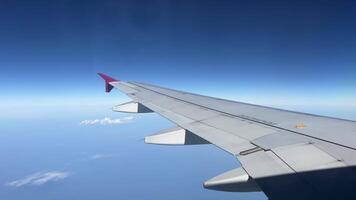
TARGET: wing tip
(107,78)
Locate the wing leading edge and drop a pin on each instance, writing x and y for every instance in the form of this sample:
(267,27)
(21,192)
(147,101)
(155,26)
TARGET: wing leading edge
(286,154)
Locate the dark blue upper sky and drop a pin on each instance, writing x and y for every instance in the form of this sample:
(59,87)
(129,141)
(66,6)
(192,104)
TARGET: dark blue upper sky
(290,48)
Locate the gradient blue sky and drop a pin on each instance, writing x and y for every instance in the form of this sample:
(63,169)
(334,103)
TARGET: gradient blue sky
(267,52)
(298,55)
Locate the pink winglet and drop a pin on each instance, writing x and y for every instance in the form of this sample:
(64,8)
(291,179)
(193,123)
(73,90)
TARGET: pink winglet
(108,80)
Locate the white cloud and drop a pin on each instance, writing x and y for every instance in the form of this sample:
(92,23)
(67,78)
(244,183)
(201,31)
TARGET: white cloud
(101,156)
(39,178)
(107,121)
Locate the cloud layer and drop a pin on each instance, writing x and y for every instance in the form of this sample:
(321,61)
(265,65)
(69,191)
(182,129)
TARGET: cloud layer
(107,121)
(39,178)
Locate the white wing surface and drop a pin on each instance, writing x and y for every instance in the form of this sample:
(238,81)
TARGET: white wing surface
(285,154)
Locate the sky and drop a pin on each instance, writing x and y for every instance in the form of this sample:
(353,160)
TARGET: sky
(298,55)
(281,52)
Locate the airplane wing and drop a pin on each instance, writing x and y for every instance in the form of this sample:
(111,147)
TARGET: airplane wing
(285,154)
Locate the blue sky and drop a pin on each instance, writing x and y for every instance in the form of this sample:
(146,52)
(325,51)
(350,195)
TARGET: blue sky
(302,52)
(298,55)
